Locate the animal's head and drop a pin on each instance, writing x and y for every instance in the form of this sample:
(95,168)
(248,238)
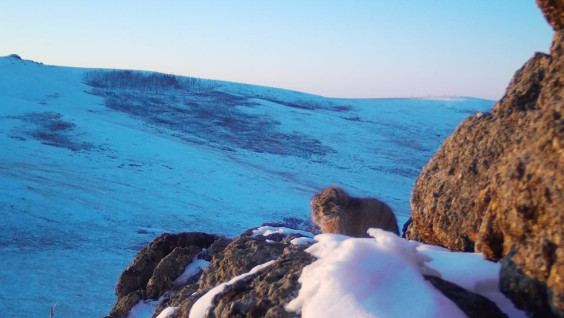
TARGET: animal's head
(328,203)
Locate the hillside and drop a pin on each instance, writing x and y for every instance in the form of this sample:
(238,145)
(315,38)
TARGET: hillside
(94,164)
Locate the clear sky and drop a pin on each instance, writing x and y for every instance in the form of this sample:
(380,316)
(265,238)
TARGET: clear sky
(355,48)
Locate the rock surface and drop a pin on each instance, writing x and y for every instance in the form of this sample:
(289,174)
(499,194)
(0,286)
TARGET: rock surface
(154,269)
(526,291)
(498,181)
(263,294)
(266,293)
(554,12)
(239,257)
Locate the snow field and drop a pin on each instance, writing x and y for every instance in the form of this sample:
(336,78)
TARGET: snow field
(73,219)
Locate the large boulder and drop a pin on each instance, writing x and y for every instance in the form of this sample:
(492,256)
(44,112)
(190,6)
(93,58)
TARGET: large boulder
(497,183)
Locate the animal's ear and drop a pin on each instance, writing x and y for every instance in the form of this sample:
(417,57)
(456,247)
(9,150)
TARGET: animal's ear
(339,195)
(334,192)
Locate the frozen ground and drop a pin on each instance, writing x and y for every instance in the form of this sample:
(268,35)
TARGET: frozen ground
(95,164)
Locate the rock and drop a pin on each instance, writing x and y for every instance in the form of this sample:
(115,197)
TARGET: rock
(554,12)
(156,266)
(526,292)
(498,181)
(266,293)
(405,227)
(170,268)
(239,257)
(473,305)
(263,294)
(451,196)
(124,304)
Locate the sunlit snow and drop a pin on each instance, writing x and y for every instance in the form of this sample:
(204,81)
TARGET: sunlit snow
(166,312)
(268,230)
(195,267)
(383,277)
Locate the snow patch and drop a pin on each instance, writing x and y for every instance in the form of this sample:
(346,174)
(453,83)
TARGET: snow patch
(144,309)
(191,269)
(302,240)
(167,312)
(363,277)
(383,277)
(268,230)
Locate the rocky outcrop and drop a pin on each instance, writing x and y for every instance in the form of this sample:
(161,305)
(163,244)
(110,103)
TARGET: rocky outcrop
(155,268)
(263,293)
(497,183)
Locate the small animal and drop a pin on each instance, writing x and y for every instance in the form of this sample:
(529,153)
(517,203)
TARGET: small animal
(337,212)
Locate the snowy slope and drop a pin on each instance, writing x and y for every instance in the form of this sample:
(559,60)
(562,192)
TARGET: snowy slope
(91,173)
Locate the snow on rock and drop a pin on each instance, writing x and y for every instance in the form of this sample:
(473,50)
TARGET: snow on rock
(195,267)
(358,277)
(166,312)
(383,276)
(472,272)
(268,230)
(143,309)
(302,240)
(204,303)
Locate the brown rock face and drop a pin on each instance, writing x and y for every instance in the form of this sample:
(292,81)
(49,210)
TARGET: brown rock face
(266,293)
(170,268)
(554,12)
(154,268)
(498,181)
(239,257)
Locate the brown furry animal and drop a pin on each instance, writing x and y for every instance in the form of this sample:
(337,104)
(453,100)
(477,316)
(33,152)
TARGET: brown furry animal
(337,212)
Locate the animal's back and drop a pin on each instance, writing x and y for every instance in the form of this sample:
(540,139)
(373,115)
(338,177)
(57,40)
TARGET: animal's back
(373,213)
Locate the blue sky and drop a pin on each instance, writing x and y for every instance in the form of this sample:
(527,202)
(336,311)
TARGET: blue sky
(332,48)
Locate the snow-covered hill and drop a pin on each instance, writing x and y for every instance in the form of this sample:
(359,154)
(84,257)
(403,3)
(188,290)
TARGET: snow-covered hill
(95,163)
